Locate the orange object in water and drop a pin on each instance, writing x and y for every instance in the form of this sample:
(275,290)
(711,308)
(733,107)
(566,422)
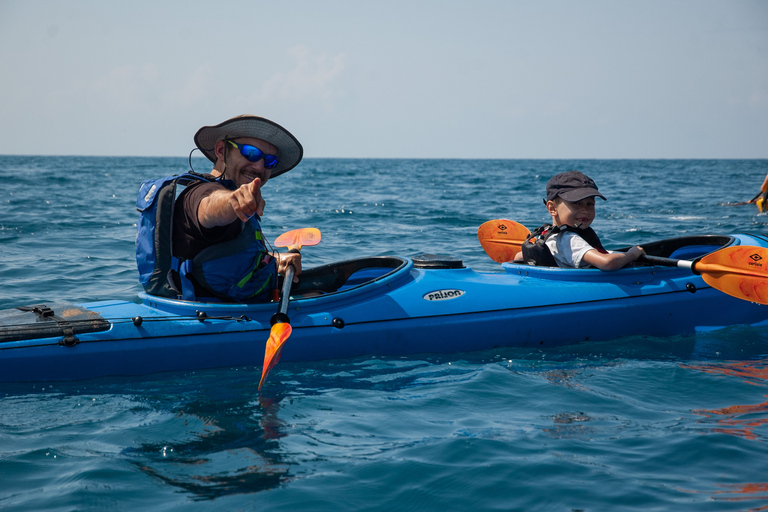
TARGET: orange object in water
(281,324)
(278,335)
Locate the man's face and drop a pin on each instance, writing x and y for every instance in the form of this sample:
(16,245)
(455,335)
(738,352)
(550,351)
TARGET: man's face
(240,169)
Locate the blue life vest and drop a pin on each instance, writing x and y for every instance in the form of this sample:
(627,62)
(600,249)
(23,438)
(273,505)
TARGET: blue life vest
(239,270)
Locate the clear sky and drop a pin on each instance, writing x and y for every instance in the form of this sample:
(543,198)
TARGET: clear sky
(390,78)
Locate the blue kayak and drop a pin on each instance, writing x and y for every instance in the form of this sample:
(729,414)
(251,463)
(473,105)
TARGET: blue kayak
(382,305)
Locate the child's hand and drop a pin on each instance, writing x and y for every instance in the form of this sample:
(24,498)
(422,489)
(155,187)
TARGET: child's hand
(613,260)
(635,252)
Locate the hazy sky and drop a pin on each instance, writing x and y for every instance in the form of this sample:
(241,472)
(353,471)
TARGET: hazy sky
(427,79)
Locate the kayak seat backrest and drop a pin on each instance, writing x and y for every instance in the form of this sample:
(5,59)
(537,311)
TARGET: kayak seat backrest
(364,275)
(691,252)
(434,261)
(346,274)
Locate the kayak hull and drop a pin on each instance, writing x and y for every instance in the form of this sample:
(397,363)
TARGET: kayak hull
(382,306)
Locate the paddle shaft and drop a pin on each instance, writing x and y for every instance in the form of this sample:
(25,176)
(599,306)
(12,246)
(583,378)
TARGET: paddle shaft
(667,262)
(285,295)
(703,267)
(281,324)
(294,239)
(745,202)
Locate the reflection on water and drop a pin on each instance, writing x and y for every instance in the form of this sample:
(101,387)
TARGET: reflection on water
(233,452)
(751,372)
(569,425)
(738,420)
(218,478)
(750,492)
(734,424)
(744,492)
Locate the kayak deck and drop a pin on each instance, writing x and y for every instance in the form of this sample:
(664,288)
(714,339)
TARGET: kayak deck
(383,305)
(49,320)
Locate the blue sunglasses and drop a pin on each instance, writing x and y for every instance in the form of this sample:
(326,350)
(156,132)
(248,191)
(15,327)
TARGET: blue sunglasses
(254,154)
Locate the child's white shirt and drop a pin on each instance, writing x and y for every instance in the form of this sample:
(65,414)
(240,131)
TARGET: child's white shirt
(569,249)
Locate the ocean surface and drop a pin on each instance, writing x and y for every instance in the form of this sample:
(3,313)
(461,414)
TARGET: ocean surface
(632,424)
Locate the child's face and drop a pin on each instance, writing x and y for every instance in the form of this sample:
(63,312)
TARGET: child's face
(579,214)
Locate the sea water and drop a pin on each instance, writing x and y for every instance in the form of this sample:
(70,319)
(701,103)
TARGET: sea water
(635,423)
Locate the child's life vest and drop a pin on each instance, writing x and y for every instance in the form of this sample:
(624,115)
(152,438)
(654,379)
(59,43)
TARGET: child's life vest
(239,270)
(536,252)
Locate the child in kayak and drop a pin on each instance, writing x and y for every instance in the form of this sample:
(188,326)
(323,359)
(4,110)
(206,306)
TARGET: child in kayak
(570,242)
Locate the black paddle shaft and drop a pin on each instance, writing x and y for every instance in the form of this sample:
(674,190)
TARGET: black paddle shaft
(282,311)
(668,262)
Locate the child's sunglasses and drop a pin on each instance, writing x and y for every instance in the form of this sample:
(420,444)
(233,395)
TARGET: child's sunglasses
(254,154)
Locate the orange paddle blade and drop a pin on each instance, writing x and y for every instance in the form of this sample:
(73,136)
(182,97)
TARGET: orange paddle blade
(502,239)
(740,271)
(298,237)
(277,338)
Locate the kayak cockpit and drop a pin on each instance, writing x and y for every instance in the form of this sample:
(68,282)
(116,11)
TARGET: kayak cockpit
(686,247)
(346,275)
(344,280)
(680,248)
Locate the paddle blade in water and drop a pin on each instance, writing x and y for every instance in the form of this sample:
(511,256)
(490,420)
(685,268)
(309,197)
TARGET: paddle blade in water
(740,271)
(277,338)
(298,237)
(502,239)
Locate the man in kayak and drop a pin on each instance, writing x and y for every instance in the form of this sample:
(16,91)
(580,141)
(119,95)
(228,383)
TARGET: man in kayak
(570,242)
(215,228)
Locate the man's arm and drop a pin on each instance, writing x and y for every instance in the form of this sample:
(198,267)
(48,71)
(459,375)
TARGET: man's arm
(224,207)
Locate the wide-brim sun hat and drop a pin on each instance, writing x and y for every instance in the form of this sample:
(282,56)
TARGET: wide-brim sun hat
(289,149)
